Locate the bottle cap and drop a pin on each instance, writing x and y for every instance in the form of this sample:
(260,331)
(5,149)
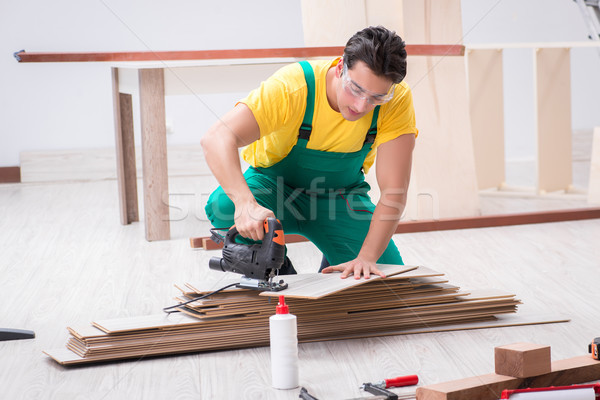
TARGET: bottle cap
(281,308)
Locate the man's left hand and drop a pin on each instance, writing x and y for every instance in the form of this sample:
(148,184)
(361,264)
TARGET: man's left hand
(357,267)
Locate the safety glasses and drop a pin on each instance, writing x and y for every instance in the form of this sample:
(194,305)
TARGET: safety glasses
(355,90)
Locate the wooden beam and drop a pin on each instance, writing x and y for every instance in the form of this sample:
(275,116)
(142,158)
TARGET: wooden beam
(489,221)
(485,221)
(296,52)
(522,360)
(489,387)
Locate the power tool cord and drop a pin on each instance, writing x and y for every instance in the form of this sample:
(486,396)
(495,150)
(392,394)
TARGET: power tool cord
(196,299)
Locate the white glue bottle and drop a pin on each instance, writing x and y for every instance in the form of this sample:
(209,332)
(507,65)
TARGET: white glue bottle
(284,347)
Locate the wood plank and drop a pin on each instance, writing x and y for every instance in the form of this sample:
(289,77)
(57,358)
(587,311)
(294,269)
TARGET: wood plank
(226,319)
(315,286)
(118,116)
(154,154)
(298,52)
(486,110)
(487,221)
(125,153)
(128,324)
(553,119)
(66,357)
(571,371)
(436,191)
(127,163)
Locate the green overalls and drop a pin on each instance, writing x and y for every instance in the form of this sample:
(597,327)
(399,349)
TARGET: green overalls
(320,195)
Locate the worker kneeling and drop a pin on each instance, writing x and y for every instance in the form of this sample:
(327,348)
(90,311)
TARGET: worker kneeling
(311,131)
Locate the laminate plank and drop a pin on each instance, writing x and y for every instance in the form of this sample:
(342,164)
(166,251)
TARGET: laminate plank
(66,357)
(144,322)
(321,285)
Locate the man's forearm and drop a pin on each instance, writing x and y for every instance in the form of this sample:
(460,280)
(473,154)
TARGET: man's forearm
(383,225)
(223,160)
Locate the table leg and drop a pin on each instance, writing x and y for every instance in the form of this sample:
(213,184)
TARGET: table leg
(125,149)
(154,153)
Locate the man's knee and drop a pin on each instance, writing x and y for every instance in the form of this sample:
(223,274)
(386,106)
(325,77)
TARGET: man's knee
(219,209)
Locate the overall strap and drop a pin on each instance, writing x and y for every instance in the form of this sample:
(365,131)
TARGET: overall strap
(372,132)
(306,126)
(309,76)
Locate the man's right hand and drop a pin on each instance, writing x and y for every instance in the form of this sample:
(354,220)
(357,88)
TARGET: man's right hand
(249,218)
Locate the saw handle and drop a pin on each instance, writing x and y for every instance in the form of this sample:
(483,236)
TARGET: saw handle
(273,232)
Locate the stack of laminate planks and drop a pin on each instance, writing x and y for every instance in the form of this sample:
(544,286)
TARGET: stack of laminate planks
(409,299)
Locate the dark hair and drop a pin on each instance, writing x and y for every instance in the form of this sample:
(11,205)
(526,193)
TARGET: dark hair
(381,49)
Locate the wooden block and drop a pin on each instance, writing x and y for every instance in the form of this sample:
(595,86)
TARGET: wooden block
(522,360)
(196,243)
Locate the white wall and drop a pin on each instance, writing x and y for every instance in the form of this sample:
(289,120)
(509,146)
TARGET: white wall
(69,105)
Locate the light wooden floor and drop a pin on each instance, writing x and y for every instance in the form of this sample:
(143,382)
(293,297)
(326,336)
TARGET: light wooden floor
(66,260)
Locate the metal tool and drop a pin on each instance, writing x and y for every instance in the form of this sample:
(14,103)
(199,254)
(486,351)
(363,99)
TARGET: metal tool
(379,389)
(398,381)
(259,263)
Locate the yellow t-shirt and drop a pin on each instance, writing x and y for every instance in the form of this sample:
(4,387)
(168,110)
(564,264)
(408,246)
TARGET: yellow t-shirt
(278,106)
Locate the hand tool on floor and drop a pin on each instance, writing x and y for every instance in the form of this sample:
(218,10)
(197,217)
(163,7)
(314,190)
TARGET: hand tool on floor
(593,348)
(379,389)
(574,392)
(259,263)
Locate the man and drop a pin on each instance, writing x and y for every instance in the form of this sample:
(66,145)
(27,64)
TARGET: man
(311,131)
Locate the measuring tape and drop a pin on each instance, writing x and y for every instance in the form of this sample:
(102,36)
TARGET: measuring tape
(593,348)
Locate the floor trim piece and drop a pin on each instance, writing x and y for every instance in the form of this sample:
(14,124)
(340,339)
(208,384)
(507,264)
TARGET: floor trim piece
(10,174)
(484,221)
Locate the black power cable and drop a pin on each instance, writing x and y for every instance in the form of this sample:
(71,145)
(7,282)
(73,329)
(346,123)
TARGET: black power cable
(196,299)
